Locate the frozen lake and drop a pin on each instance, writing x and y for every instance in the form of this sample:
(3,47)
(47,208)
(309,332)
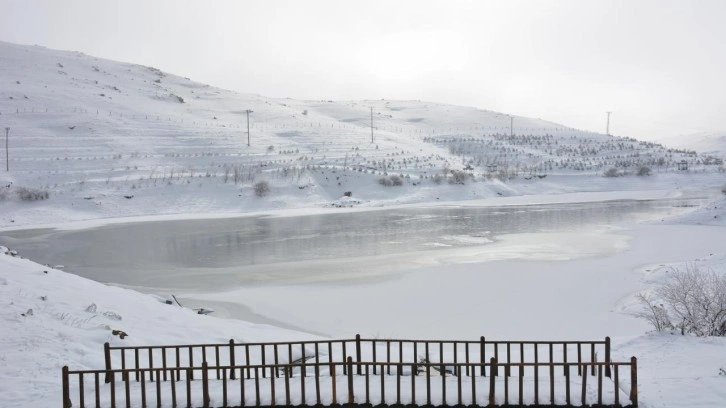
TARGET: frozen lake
(342,273)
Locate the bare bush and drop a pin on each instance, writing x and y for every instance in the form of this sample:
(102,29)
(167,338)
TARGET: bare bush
(31,194)
(437,178)
(389,181)
(691,300)
(458,177)
(612,172)
(643,171)
(262,188)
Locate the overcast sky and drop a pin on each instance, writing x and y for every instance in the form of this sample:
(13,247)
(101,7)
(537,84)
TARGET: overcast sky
(659,66)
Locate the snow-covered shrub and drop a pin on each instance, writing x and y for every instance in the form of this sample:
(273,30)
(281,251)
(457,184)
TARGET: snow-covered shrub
(262,188)
(458,177)
(723,189)
(611,172)
(392,180)
(31,194)
(437,178)
(691,300)
(643,171)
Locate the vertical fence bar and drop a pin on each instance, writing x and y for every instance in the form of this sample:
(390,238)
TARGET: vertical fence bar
(383,387)
(593,358)
(368,387)
(634,381)
(508,367)
(96,382)
(273,398)
(599,384)
(277,360)
(247,359)
(317,381)
(607,356)
(231,360)
(123,363)
(579,358)
(467,358)
(373,343)
(482,350)
(216,360)
(163,362)
(257,387)
(351,397)
(205,384)
(443,382)
(287,374)
(224,388)
(584,387)
(492,374)
(398,384)
(151,365)
(107,359)
(136,364)
(242,386)
(143,389)
(388,355)
(173,390)
(567,383)
(158,388)
(66,386)
(357,352)
(473,386)
(428,381)
(113,390)
(127,384)
(333,383)
(414,368)
(262,352)
(536,374)
(189,386)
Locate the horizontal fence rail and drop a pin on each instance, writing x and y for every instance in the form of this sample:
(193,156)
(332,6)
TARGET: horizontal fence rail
(415,383)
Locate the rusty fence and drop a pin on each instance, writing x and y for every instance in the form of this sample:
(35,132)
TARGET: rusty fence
(415,384)
(356,372)
(373,350)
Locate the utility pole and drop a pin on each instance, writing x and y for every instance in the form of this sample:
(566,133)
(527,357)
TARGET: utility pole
(511,125)
(371,124)
(248,111)
(7,155)
(607,126)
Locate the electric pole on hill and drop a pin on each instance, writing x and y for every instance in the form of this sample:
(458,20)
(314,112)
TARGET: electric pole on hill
(7,155)
(371,124)
(607,126)
(248,111)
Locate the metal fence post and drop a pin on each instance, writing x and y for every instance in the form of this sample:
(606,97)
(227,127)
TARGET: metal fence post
(66,389)
(634,381)
(232,375)
(107,358)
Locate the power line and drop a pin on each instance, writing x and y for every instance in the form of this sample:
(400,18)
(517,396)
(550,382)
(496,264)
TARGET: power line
(607,126)
(371,124)
(248,111)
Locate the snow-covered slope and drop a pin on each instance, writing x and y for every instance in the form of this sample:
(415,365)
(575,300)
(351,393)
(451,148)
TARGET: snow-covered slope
(112,139)
(708,142)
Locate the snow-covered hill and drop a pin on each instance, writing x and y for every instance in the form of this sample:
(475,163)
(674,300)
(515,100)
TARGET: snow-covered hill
(110,139)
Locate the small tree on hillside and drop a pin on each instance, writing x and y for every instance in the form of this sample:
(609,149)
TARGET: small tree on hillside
(262,188)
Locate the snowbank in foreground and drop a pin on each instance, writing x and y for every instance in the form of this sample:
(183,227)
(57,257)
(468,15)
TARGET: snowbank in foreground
(51,318)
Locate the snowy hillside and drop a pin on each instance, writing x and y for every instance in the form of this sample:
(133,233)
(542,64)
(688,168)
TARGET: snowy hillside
(109,139)
(710,143)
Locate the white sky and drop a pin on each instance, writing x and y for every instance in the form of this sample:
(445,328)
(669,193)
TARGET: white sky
(660,66)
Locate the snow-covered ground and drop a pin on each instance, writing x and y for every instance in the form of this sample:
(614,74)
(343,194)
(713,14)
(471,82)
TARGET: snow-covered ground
(113,142)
